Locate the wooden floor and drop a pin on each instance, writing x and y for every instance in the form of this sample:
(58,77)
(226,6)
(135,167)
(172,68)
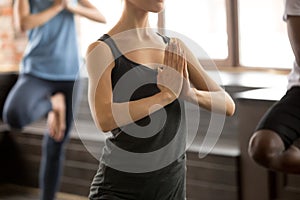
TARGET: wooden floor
(14,192)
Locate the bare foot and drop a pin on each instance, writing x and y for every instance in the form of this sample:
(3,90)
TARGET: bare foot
(57,117)
(51,122)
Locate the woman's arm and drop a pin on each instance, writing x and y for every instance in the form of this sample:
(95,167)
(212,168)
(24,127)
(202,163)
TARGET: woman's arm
(107,114)
(25,20)
(206,92)
(86,9)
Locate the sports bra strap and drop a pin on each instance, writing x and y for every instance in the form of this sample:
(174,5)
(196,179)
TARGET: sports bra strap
(115,51)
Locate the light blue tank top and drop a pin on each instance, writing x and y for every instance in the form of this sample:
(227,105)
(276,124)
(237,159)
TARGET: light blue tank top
(52,50)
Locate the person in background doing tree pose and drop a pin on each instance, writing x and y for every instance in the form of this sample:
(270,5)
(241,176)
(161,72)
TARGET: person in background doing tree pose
(49,68)
(135,76)
(272,143)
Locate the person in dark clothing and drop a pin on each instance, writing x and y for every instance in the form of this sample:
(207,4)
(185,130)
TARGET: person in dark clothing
(139,81)
(272,144)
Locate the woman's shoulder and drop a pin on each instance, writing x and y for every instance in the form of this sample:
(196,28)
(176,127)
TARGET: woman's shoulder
(98,58)
(99,55)
(93,46)
(98,46)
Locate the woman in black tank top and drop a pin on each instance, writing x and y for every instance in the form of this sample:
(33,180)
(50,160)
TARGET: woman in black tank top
(139,81)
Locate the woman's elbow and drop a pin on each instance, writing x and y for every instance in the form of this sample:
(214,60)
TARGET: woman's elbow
(98,17)
(23,26)
(101,19)
(106,123)
(230,108)
(19,26)
(104,128)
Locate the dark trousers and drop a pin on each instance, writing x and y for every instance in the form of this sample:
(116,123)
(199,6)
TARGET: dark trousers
(29,101)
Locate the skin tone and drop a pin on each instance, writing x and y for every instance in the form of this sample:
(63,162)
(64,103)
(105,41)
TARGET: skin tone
(265,146)
(57,117)
(25,21)
(173,57)
(293,27)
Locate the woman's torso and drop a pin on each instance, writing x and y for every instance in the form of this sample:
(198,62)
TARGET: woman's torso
(52,51)
(153,142)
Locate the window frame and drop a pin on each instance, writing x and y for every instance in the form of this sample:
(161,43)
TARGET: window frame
(232,32)
(232,62)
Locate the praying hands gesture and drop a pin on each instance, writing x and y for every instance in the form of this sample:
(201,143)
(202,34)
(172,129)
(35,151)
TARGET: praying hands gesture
(182,76)
(173,77)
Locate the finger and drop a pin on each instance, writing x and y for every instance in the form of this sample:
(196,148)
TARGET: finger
(167,55)
(180,59)
(183,61)
(186,72)
(175,55)
(172,57)
(179,55)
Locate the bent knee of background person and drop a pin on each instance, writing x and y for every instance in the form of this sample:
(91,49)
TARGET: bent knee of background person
(13,117)
(264,146)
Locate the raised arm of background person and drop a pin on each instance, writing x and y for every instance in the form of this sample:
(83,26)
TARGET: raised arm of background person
(26,21)
(100,63)
(86,9)
(206,92)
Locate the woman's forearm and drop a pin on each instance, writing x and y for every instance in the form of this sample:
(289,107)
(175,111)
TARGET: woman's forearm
(215,101)
(31,21)
(120,114)
(85,9)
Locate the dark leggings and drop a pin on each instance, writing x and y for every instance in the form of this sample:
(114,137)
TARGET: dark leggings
(29,101)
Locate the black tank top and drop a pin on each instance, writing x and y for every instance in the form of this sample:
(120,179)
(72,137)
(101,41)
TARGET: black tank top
(163,132)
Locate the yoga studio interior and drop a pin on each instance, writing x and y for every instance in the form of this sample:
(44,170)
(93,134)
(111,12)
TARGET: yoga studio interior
(243,45)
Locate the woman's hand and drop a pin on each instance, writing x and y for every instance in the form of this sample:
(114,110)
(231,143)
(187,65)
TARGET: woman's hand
(187,92)
(171,74)
(60,4)
(86,9)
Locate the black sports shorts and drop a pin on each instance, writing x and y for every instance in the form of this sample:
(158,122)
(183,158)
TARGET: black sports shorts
(165,184)
(284,117)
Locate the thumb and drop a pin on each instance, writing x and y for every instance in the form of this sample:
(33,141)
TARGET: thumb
(185,72)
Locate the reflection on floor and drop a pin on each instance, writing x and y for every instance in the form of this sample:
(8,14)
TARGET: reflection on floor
(14,192)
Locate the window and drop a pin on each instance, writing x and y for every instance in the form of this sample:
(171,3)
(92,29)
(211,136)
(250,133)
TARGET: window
(203,21)
(263,35)
(91,31)
(233,33)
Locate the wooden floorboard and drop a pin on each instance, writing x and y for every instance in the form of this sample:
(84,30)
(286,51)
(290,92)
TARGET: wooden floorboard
(15,192)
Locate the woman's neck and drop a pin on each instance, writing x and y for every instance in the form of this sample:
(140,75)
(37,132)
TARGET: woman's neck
(133,19)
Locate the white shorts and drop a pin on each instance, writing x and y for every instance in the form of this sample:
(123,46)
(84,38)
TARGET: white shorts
(292,7)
